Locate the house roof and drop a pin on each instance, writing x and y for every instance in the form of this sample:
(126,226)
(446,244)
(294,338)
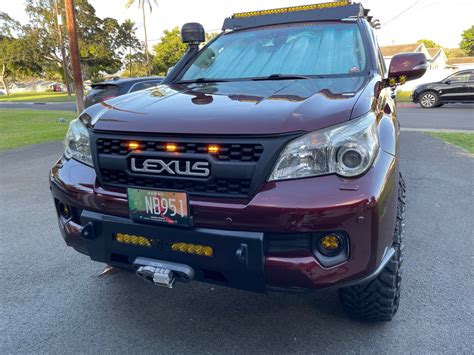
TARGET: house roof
(433,51)
(389,51)
(461,60)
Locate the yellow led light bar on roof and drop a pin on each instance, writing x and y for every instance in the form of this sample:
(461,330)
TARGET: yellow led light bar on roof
(283,10)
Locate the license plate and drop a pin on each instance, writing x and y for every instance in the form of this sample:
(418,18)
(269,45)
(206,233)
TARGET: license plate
(168,207)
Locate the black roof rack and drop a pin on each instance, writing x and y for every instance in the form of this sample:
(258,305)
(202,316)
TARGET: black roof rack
(331,11)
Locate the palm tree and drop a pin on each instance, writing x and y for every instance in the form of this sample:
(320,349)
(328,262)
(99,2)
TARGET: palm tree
(141,4)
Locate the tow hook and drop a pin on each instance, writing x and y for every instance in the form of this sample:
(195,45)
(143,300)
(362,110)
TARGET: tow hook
(162,273)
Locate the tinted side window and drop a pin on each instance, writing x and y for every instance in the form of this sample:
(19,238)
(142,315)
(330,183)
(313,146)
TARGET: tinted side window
(144,85)
(462,77)
(101,91)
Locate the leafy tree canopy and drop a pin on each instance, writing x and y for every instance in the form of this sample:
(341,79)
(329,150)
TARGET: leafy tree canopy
(454,52)
(102,42)
(211,35)
(18,57)
(467,43)
(168,51)
(429,43)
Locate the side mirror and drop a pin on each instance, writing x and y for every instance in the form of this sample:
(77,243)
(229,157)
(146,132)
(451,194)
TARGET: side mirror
(405,67)
(193,33)
(447,82)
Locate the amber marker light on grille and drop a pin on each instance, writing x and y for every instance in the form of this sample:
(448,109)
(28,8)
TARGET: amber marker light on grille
(192,249)
(171,147)
(133,240)
(213,149)
(133,145)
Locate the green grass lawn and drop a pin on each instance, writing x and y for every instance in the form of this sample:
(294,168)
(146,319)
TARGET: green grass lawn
(19,128)
(38,97)
(463,140)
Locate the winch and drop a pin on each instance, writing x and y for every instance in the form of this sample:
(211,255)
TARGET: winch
(162,273)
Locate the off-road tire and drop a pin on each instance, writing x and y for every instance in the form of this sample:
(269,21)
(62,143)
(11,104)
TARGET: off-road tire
(378,299)
(429,99)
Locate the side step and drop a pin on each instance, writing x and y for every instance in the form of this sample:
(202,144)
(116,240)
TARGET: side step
(162,273)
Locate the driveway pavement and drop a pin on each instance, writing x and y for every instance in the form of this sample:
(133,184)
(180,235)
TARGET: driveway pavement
(52,300)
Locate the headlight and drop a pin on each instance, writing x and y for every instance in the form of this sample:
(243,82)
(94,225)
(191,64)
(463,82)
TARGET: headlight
(348,150)
(77,145)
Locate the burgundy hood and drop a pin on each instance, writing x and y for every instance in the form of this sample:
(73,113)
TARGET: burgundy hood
(244,107)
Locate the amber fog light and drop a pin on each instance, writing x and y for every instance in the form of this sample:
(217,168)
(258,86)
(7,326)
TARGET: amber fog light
(133,240)
(64,210)
(330,244)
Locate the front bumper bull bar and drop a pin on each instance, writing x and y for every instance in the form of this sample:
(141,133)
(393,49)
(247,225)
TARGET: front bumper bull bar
(238,259)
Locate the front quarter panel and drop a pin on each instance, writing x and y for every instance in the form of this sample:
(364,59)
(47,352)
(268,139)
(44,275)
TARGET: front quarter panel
(389,126)
(377,99)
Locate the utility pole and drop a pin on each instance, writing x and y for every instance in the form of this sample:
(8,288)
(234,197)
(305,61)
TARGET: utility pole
(147,58)
(59,24)
(130,60)
(74,52)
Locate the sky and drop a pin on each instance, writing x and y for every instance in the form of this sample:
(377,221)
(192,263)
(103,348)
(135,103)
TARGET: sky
(403,21)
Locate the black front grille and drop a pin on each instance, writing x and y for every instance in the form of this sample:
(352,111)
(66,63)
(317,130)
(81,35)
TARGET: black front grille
(238,169)
(236,152)
(218,186)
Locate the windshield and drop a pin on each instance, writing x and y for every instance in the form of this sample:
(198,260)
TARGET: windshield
(301,49)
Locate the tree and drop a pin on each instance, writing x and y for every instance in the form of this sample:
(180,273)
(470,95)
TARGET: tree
(455,52)
(135,65)
(141,4)
(18,57)
(467,43)
(429,43)
(211,35)
(128,42)
(168,51)
(98,39)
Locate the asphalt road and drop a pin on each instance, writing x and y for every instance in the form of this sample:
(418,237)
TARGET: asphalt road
(56,106)
(52,300)
(447,117)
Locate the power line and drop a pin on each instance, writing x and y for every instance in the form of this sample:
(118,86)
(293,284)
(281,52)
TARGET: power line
(401,13)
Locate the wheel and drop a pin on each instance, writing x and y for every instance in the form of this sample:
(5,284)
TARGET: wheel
(378,299)
(429,99)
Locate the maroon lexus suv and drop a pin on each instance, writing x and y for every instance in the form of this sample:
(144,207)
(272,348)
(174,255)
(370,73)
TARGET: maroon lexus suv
(267,160)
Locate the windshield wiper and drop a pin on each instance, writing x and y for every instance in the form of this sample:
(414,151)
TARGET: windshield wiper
(284,77)
(270,77)
(203,81)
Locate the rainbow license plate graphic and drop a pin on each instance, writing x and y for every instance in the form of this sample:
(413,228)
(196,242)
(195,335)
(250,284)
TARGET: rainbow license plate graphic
(168,207)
